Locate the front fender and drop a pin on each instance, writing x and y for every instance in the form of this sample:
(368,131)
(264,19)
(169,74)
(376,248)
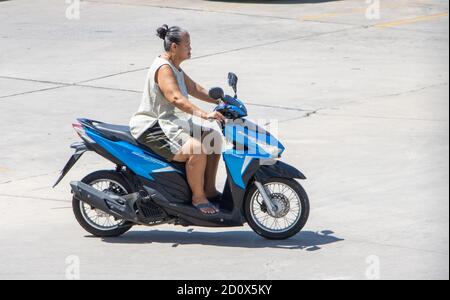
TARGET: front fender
(278,170)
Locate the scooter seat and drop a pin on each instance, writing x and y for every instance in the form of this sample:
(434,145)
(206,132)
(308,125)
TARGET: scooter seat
(116,132)
(122,133)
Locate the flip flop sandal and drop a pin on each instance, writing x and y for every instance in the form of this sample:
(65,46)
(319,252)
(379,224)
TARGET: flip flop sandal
(205,205)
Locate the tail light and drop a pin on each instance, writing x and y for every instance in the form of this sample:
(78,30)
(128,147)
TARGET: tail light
(79,129)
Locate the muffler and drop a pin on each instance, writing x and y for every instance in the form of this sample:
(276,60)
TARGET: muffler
(117,206)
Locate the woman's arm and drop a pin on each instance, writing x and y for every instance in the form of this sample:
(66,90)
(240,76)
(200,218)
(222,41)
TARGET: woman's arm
(197,91)
(169,87)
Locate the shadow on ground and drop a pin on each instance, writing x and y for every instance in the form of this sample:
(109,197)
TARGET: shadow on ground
(307,240)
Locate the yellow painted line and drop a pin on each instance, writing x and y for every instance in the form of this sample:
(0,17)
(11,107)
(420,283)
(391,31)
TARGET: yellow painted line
(332,14)
(3,169)
(362,11)
(412,20)
(343,13)
(321,16)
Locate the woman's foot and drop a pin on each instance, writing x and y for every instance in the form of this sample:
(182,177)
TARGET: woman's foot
(202,204)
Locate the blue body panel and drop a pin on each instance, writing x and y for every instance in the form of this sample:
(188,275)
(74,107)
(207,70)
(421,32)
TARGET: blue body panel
(253,142)
(237,165)
(257,142)
(139,161)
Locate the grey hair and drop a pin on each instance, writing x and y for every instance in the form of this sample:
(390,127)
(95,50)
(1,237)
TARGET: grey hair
(170,35)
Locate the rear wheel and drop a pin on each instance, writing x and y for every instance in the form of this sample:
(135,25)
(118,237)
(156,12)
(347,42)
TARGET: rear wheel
(94,220)
(292,209)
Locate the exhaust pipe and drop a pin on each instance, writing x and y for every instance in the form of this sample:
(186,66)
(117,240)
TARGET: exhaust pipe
(111,204)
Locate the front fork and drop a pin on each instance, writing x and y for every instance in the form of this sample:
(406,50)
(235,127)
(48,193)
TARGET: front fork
(266,198)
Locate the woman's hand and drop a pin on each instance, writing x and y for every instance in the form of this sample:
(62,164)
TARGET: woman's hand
(214,115)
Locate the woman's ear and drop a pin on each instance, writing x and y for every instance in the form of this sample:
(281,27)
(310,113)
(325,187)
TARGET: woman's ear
(173,47)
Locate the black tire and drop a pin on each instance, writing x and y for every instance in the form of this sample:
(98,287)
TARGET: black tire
(300,223)
(89,179)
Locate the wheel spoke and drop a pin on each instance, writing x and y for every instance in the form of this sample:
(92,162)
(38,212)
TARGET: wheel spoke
(97,218)
(289,210)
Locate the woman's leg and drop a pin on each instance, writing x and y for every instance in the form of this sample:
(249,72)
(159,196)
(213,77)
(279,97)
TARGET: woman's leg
(195,171)
(212,164)
(212,141)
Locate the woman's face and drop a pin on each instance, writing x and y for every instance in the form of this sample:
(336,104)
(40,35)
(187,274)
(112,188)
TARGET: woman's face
(183,50)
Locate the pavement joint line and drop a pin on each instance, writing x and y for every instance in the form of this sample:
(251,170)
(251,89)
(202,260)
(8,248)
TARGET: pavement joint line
(194,58)
(107,88)
(364,100)
(294,38)
(247,103)
(34,91)
(25,178)
(359,116)
(371,98)
(224,52)
(136,91)
(413,90)
(233,50)
(278,107)
(309,111)
(114,74)
(192,9)
(385,118)
(35,80)
(369,116)
(199,57)
(307,115)
(34,198)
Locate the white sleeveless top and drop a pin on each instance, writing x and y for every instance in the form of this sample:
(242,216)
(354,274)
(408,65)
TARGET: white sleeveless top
(156,108)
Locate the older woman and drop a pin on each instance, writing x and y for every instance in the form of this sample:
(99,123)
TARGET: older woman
(163,121)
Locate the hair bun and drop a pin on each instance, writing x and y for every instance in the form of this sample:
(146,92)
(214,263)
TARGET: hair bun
(162,31)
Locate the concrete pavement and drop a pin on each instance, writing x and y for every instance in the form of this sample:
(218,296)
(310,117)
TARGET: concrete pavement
(362,105)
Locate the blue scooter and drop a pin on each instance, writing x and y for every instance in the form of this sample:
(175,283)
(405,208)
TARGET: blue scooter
(145,189)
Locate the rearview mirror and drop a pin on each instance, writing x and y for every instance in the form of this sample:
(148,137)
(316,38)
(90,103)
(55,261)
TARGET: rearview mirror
(232,81)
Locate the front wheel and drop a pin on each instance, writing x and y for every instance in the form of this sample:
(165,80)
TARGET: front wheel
(292,209)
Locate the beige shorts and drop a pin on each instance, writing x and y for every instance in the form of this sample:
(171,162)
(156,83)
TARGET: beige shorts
(155,139)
